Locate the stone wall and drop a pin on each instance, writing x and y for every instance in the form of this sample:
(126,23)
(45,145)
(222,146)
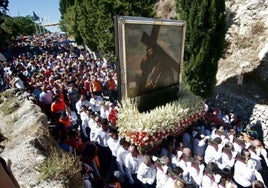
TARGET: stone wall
(246,108)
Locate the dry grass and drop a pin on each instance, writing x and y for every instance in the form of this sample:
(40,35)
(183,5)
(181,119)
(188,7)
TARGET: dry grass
(166,9)
(258,28)
(9,105)
(5,96)
(7,102)
(58,166)
(242,41)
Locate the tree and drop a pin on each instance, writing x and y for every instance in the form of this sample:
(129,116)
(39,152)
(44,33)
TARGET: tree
(96,24)
(69,24)
(17,26)
(64,5)
(204,42)
(3,34)
(93,20)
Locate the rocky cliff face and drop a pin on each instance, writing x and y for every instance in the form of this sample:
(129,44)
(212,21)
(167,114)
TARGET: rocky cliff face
(246,54)
(247,42)
(28,142)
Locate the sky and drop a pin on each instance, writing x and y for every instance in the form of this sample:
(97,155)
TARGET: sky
(47,10)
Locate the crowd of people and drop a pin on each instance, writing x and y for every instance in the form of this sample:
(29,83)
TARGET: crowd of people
(78,93)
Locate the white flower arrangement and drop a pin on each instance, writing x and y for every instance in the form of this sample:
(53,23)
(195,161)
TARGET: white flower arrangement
(149,128)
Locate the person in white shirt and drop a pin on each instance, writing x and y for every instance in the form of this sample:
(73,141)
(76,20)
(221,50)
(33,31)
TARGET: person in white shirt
(213,150)
(196,170)
(226,118)
(72,115)
(174,175)
(227,156)
(82,102)
(147,173)
(84,114)
(96,102)
(133,161)
(84,129)
(16,82)
(162,171)
(121,155)
(181,160)
(260,150)
(113,144)
(104,110)
(211,177)
(46,99)
(238,142)
(245,170)
(94,125)
(255,157)
(104,152)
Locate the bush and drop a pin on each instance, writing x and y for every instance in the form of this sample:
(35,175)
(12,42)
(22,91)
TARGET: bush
(5,95)
(8,102)
(59,166)
(9,106)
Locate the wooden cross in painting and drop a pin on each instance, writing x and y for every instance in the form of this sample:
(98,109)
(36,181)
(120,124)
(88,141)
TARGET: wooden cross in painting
(158,67)
(150,41)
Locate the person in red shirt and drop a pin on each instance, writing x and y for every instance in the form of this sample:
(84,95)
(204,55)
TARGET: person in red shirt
(211,116)
(112,88)
(87,84)
(112,117)
(96,86)
(75,141)
(81,88)
(65,120)
(57,107)
(48,72)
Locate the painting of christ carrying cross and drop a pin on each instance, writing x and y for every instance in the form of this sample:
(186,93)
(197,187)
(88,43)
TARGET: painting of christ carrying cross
(152,53)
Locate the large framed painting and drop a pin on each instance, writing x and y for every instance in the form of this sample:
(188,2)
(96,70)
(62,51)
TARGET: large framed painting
(150,53)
